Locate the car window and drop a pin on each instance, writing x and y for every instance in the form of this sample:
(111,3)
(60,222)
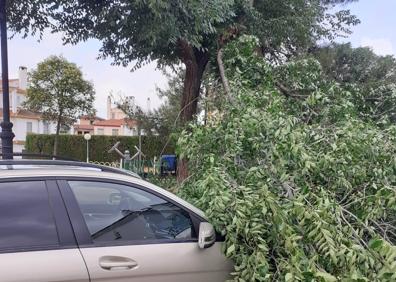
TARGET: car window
(26,219)
(115,212)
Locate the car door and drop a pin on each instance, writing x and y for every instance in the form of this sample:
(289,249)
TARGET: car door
(36,239)
(133,234)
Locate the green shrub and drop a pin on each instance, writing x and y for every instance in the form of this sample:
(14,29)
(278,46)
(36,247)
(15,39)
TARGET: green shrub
(74,146)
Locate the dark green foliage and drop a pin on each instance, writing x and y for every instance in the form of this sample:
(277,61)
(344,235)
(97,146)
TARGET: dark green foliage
(74,146)
(143,31)
(169,112)
(58,91)
(28,17)
(369,77)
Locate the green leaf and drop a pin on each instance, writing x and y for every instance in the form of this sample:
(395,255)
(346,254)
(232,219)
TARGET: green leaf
(326,276)
(288,277)
(376,243)
(230,250)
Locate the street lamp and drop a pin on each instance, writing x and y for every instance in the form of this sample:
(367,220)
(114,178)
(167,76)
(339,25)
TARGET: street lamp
(87,137)
(6,134)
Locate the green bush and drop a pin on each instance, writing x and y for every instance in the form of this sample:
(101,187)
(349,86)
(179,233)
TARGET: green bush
(74,146)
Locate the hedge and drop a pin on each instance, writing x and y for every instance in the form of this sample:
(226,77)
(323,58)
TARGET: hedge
(74,146)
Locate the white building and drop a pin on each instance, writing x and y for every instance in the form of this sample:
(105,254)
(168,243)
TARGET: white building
(24,122)
(117,123)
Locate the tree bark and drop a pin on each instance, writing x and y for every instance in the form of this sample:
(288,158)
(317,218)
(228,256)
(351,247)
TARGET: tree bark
(58,125)
(195,62)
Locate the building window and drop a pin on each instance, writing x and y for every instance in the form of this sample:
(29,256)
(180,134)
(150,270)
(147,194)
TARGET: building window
(114,131)
(45,127)
(112,115)
(29,127)
(100,131)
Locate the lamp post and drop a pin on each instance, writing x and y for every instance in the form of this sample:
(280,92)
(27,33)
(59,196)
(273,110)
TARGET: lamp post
(87,137)
(6,126)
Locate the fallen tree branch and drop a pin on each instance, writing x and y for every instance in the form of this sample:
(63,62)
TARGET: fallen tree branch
(287,92)
(224,79)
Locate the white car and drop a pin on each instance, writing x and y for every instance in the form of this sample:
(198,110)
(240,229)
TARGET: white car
(72,221)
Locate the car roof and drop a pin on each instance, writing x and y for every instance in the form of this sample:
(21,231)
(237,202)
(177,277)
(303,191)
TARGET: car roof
(20,170)
(55,164)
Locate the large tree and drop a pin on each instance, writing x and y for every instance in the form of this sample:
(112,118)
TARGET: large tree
(187,32)
(190,32)
(59,92)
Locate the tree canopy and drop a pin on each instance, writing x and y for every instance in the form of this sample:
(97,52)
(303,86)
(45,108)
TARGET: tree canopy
(188,32)
(369,77)
(138,31)
(59,92)
(141,31)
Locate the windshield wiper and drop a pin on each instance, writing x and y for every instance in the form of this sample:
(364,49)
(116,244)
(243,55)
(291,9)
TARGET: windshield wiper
(127,217)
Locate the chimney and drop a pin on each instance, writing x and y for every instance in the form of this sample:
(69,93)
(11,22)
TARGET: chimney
(108,107)
(22,75)
(148,105)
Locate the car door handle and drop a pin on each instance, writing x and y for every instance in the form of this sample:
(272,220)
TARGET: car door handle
(117,263)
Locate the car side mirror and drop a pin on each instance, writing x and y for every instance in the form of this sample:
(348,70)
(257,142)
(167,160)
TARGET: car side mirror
(206,236)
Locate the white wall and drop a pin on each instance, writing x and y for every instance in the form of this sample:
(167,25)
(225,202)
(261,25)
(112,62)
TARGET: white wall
(130,132)
(123,130)
(20,127)
(107,130)
(20,99)
(16,100)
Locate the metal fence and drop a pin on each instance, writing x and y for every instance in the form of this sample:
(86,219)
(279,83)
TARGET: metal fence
(110,164)
(143,167)
(155,166)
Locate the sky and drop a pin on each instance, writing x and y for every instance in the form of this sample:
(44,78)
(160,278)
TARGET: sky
(377,30)
(106,78)
(378,25)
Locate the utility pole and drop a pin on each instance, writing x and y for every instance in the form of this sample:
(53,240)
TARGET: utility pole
(6,126)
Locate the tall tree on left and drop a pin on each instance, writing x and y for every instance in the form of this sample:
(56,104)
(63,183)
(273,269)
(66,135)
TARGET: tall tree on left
(59,92)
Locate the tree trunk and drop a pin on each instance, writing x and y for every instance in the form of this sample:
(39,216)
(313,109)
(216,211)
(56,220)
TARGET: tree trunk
(58,125)
(195,61)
